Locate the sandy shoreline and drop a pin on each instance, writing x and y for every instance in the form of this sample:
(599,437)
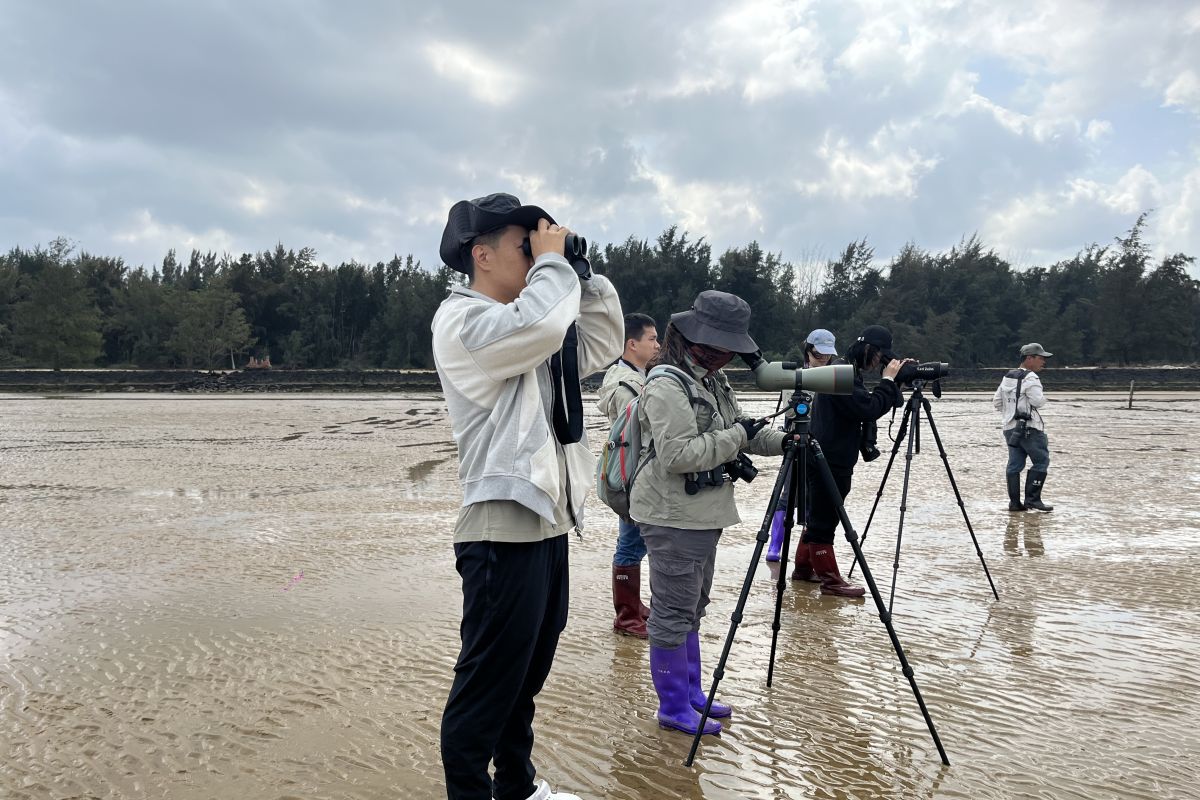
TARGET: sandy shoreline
(148,647)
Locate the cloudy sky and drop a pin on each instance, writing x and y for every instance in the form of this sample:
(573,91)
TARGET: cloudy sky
(351,127)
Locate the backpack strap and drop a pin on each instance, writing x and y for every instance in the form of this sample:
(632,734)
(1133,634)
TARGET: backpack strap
(631,387)
(675,372)
(665,370)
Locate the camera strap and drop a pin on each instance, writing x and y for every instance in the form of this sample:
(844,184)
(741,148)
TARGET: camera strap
(1017,400)
(568,397)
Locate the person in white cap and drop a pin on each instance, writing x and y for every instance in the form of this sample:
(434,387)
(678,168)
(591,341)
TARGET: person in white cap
(1018,399)
(820,348)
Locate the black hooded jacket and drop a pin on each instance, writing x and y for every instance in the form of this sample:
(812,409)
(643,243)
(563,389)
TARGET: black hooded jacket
(838,418)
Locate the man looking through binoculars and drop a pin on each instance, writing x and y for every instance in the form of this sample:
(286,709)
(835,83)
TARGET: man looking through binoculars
(508,349)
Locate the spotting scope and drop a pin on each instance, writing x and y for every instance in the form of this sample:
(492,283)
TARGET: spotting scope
(787,376)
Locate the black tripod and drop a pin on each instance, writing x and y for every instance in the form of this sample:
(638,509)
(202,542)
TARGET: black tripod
(912,411)
(792,480)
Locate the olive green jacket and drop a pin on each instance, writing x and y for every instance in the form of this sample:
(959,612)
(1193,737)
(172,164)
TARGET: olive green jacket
(689,438)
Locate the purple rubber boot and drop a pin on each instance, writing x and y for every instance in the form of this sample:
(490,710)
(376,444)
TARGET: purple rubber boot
(775,546)
(695,690)
(669,669)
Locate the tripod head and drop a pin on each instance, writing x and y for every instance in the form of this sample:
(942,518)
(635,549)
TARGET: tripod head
(935,387)
(798,414)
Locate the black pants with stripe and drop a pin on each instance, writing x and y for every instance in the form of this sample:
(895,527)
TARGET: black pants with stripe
(823,519)
(515,599)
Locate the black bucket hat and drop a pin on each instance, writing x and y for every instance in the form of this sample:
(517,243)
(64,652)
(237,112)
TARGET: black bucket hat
(471,218)
(881,337)
(717,319)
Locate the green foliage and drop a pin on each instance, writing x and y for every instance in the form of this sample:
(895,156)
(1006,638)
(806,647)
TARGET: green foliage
(55,322)
(210,327)
(966,306)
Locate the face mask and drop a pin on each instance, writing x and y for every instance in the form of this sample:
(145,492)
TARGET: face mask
(708,358)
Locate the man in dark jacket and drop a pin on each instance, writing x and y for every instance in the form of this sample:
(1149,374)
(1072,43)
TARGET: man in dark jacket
(837,427)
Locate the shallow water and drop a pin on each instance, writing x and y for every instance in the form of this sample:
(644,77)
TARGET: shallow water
(255,597)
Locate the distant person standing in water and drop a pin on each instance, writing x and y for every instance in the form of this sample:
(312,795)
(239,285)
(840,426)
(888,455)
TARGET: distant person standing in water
(1018,399)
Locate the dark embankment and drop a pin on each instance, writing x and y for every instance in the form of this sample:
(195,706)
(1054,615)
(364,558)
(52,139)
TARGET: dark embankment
(284,380)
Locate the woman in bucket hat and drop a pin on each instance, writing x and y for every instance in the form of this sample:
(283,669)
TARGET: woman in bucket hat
(691,427)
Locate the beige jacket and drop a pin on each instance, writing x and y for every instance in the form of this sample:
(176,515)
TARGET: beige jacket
(686,439)
(622,383)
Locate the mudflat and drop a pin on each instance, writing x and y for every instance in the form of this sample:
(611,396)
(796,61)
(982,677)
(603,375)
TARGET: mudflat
(255,597)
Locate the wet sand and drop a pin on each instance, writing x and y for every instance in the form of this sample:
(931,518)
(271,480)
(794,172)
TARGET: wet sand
(255,597)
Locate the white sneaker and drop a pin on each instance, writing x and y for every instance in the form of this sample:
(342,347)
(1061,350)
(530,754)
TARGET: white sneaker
(543,793)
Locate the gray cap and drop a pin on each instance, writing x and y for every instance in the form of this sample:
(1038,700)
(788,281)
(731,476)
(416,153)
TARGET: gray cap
(1034,349)
(823,342)
(718,319)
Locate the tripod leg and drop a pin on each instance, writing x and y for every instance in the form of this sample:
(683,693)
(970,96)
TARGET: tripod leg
(879,494)
(958,495)
(794,500)
(884,615)
(761,540)
(908,456)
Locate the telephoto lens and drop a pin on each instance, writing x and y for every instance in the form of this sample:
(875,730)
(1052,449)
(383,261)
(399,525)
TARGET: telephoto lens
(927,371)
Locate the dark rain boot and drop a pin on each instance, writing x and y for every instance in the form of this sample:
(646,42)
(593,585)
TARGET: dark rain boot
(1014,492)
(824,563)
(695,690)
(627,589)
(803,570)
(1033,491)
(775,546)
(669,671)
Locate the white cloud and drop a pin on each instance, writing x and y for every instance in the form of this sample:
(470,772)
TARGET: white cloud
(765,48)
(1179,229)
(802,124)
(706,208)
(1098,130)
(255,200)
(484,79)
(1135,191)
(1053,224)
(145,231)
(1184,92)
(862,175)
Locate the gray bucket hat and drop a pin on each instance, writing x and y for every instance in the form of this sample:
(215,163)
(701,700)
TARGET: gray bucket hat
(717,319)
(1034,349)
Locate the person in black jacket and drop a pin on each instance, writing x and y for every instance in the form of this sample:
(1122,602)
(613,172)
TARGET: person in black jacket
(837,426)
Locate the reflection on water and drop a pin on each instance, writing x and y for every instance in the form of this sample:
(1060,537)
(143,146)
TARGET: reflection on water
(148,647)
(1023,534)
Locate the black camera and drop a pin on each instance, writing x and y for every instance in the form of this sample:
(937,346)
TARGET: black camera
(928,371)
(741,468)
(867,441)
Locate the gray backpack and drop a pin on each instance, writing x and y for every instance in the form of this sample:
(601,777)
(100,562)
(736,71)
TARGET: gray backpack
(621,459)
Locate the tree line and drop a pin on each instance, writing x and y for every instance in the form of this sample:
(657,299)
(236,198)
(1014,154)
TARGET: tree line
(1106,305)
